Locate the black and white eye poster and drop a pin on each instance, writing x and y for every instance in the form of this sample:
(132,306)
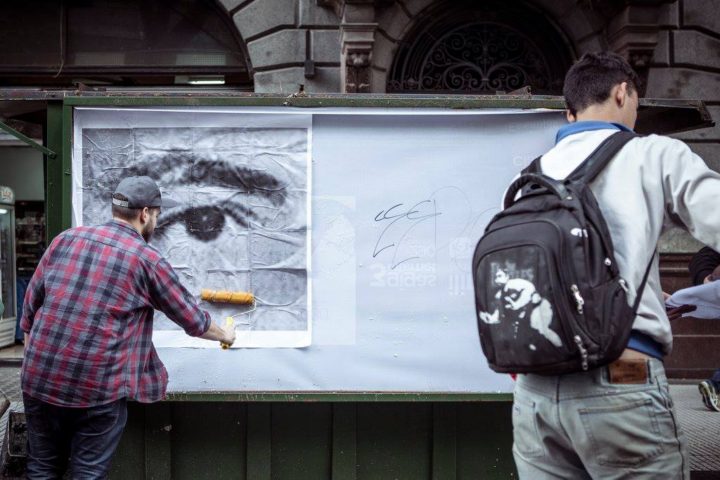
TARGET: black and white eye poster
(242,224)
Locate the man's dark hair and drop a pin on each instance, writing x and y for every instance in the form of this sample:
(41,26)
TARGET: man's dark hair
(124,213)
(590,80)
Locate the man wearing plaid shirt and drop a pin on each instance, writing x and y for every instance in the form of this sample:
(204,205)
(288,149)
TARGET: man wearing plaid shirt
(87,320)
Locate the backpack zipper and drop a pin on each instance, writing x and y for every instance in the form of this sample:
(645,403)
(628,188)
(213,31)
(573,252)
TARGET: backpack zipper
(578,298)
(583,352)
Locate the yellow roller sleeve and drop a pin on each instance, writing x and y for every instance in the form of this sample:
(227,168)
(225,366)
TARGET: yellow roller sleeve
(225,296)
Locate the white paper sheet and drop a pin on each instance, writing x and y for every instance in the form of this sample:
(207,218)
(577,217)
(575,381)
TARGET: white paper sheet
(244,185)
(705,297)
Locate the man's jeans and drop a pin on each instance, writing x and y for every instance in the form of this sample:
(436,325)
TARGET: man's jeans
(582,426)
(86,436)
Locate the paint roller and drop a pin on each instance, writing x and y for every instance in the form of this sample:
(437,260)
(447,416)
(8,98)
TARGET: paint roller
(226,296)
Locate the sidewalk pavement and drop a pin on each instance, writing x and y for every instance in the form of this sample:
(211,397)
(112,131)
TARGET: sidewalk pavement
(701,426)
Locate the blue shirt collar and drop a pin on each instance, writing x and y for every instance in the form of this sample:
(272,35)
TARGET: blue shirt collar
(586,126)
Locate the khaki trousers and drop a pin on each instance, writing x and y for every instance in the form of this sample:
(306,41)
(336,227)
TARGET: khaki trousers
(581,426)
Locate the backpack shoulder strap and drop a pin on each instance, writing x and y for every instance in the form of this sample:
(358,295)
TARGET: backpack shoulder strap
(641,288)
(534,167)
(600,157)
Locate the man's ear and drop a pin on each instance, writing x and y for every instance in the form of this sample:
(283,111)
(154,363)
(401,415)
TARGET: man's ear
(144,215)
(570,117)
(620,94)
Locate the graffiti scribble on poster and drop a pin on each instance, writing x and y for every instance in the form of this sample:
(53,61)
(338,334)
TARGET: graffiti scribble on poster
(242,223)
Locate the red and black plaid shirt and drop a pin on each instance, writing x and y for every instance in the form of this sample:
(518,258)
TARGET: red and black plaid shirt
(89,312)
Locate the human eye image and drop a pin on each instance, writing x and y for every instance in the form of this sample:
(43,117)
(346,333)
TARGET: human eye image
(241,222)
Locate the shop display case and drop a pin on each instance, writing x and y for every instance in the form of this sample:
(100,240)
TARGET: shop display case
(30,236)
(7,266)
(29,247)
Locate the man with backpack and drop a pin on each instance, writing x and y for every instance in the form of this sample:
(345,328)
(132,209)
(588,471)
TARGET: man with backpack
(591,399)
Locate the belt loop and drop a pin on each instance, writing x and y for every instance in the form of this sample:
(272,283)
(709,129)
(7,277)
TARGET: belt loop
(604,375)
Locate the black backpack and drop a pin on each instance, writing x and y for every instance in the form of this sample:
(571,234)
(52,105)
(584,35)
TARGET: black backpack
(548,294)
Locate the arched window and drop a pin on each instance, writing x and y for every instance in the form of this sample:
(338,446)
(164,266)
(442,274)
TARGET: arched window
(481,48)
(120,42)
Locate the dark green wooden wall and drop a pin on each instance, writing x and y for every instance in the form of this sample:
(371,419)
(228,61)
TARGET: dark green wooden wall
(316,440)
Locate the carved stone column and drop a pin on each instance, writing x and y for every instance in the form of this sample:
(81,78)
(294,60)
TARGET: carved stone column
(633,33)
(357,44)
(357,30)
(336,5)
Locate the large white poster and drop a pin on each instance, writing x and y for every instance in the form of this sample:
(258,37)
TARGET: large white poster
(398,199)
(243,219)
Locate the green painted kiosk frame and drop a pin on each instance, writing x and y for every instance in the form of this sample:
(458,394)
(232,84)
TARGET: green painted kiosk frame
(317,435)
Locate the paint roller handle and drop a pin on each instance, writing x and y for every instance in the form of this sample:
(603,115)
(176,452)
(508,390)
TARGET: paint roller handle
(220,334)
(230,332)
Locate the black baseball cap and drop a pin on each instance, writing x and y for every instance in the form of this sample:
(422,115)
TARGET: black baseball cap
(141,192)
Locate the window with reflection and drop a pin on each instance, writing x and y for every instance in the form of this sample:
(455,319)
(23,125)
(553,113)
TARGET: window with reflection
(120,42)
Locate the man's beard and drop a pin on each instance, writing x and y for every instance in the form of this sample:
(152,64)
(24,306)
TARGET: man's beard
(147,232)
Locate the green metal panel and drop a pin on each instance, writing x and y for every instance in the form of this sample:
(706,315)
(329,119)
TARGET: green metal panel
(394,440)
(484,441)
(215,428)
(323,101)
(53,171)
(344,441)
(444,452)
(129,460)
(323,441)
(259,441)
(58,208)
(158,425)
(338,397)
(29,141)
(67,132)
(301,445)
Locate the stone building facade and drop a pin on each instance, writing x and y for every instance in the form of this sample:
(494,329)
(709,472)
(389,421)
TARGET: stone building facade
(472,46)
(353,45)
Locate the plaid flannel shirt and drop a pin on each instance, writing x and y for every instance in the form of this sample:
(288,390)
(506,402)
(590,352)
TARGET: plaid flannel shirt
(89,312)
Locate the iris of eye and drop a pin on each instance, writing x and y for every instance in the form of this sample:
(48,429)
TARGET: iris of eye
(204,223)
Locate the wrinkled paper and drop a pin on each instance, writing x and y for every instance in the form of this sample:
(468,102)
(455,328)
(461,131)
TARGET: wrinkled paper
(705,297)
(242,223)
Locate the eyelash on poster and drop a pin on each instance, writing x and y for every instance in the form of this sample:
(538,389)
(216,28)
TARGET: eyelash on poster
(206,222)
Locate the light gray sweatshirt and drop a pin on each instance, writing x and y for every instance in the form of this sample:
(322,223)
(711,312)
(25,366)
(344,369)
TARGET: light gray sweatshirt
(653,183)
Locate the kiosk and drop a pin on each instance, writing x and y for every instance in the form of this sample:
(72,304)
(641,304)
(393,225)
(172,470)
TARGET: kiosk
(381,375)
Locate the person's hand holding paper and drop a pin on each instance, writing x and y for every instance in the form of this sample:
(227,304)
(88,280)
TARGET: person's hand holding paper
(705,298)
(715,275)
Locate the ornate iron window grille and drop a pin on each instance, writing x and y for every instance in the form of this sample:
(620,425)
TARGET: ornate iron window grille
(482,50)
(481,57)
